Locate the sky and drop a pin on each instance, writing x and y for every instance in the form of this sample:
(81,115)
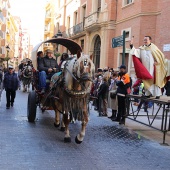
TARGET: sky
(32,15)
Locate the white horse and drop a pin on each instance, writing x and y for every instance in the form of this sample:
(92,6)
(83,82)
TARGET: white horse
(71,92)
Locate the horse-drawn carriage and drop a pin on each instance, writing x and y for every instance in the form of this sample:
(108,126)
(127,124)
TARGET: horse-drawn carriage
(68,91)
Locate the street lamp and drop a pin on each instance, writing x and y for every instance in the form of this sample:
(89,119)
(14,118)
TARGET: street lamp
(7,57)
(58,35)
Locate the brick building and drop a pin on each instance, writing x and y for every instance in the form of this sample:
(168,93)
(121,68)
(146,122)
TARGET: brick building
(93,24)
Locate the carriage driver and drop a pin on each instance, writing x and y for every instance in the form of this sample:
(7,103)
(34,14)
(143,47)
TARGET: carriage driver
(47,67)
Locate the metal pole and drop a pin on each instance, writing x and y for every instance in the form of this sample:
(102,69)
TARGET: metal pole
(123,56)
(7,59)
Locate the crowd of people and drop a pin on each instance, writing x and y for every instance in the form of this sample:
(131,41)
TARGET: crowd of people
(110,88)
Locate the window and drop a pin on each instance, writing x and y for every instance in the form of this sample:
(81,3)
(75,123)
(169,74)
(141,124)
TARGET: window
(82,45)
(128,34)
(83,12)
(99,5)
(68,22)
(127,2)
(58,3)
(75,18)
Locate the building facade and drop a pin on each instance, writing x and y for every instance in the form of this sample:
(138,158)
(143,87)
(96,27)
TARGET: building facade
(93,24)
(49,23)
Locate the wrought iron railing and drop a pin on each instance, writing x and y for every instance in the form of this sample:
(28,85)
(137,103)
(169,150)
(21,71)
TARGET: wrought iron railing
(74,30)
(78,28)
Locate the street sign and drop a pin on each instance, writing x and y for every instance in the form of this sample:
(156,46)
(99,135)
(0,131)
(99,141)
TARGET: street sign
(117,41)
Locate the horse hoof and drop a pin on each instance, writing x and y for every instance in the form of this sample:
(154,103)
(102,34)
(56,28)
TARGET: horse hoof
(62,129)
(67,140)
(56,125)
(77,141)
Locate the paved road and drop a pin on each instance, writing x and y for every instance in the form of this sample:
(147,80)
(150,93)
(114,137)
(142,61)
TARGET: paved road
(40,146)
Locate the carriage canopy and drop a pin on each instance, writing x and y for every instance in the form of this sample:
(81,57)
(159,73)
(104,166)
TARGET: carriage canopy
(72,46)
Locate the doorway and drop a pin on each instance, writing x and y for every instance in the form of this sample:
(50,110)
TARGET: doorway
(97,46)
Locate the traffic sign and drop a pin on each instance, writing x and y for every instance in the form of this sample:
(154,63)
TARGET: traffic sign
(117,41)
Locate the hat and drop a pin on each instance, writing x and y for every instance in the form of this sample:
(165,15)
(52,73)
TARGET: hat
(49,51)
(99,70)
(122,66)
(10,67)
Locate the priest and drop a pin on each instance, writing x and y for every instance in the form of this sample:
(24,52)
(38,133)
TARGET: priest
(150,66)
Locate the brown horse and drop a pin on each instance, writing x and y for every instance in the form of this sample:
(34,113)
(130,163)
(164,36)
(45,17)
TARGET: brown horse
(71,92)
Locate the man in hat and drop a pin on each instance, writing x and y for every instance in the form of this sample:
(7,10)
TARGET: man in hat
(123,83)
(11,84)
(47,67)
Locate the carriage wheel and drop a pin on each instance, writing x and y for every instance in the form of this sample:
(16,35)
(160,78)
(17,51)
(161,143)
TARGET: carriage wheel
(31,106)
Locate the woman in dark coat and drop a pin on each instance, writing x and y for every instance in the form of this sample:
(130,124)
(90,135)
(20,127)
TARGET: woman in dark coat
(103,96)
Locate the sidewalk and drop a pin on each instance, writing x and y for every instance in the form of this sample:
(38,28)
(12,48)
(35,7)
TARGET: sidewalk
(145,131)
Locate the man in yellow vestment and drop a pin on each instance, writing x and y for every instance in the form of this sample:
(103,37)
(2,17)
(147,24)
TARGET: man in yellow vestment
(154,63)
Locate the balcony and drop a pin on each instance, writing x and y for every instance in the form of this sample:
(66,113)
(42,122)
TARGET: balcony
(3,27)
(91,20)
(3,42)
(47,17)
(1,17)
(1,34)
(77,29)
(47,30)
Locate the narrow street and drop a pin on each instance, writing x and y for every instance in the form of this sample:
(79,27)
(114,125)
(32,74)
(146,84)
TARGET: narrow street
(39,145)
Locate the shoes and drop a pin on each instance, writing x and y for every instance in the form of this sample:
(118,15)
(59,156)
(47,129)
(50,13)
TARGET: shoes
(7,107)
(115,119)
(95,108)
(12,104)
(122,122)
(112,117)
(104,114)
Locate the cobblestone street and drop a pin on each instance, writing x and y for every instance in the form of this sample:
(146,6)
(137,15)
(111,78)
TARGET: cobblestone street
(40,146)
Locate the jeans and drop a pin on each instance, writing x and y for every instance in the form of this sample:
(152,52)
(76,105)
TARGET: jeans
(10,96)
(42,79)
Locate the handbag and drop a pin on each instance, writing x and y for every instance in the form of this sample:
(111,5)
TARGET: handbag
(113,94)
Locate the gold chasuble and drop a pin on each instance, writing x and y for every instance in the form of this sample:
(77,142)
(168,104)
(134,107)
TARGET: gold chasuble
(156,65)
(160,71)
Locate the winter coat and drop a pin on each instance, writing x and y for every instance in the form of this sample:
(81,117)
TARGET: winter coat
(103,90)
(123,82)
(167,88)
(46,63)
(112,103)
(11,81)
